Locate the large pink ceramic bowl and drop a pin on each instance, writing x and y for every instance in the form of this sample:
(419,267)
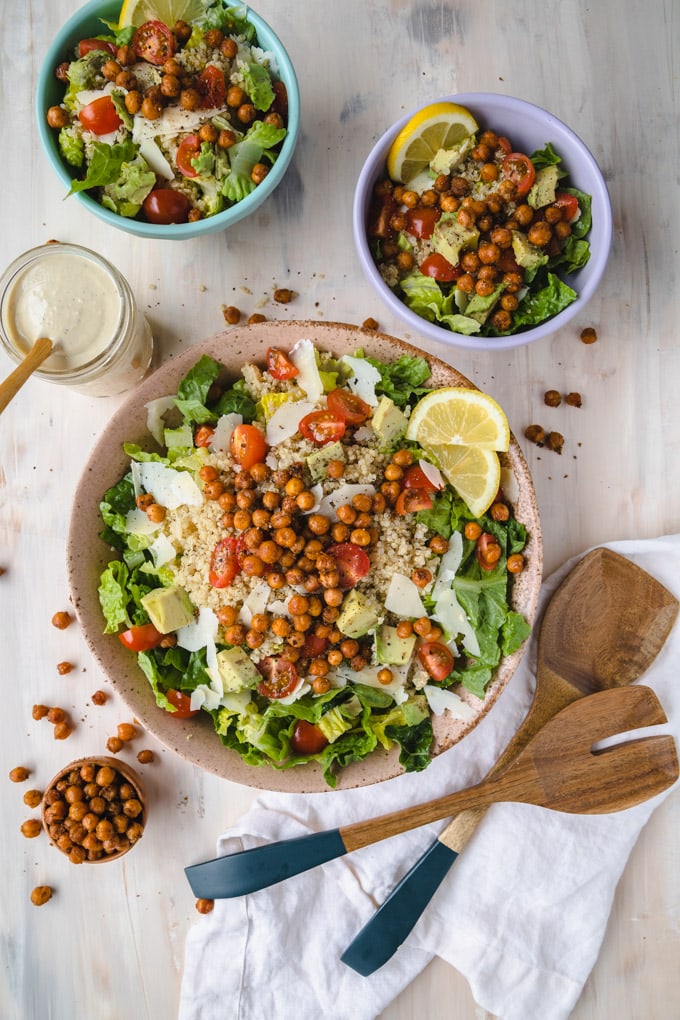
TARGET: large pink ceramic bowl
(195,739)
(529,128)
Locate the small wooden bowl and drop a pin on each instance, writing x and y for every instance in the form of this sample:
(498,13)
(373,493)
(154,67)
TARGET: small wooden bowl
(123,773)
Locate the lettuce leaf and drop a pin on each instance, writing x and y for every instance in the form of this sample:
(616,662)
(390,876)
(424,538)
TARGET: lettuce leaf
(106,165)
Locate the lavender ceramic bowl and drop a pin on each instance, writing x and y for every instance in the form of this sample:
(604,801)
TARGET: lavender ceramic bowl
(529,128)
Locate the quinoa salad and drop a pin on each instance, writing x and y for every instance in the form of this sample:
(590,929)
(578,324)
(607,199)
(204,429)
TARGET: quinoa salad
(171,124)
(480,242)
(289,563)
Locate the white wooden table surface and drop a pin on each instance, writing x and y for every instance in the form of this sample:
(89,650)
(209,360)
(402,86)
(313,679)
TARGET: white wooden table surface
(110,944)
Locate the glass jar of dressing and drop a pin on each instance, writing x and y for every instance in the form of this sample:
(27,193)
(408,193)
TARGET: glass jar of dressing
(102,344)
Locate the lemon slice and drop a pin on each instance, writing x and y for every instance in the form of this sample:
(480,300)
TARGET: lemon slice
(136,12)
(461,417)
(437,126)
(474,473)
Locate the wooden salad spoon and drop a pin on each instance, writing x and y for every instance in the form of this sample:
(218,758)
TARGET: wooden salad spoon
(10,386)
(603,628)
(557,769)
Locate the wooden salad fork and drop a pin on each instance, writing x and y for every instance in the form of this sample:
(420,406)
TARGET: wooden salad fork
(558,769)
(603,627)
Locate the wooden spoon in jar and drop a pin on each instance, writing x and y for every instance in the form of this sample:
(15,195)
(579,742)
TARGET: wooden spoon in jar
(10,386)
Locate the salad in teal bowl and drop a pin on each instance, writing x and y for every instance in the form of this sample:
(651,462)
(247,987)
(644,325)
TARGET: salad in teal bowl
(168,119)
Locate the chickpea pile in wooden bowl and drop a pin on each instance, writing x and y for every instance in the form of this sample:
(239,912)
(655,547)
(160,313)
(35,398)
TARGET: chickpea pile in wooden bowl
(94,810)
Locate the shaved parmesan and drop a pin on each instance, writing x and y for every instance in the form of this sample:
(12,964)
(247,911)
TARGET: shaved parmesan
(137,523)
(364,433)
(255,603)
(154,417)
(162,550)
(170,488)
(223,430)
(369,677)
(364,378)
(303,357)
(442,700)
(448,565)
(285,420)
(149,151)
(432,473)
(200,633)
(509,484)
(204,697)
(343,494)
(453,620)
(172,122)
(403,597)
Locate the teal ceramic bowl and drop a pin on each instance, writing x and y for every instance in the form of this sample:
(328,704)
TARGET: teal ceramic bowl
(86,23)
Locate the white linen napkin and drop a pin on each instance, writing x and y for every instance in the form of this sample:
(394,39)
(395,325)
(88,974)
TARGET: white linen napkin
(521,914)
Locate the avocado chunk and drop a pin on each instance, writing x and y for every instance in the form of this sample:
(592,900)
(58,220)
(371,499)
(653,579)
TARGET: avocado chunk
(527,254)
(444,160)
(480,308)
(543,189)
(391,649)
(357,615)
(333,724)
(449,238)
(317,462)
(236,670)
(388,421)
(168,608)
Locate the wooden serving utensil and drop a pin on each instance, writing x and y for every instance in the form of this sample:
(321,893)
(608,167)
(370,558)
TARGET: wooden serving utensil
(603,627)
(10,386)
(558,769)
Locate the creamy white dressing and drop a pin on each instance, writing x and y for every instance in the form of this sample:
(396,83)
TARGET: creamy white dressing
(69,299)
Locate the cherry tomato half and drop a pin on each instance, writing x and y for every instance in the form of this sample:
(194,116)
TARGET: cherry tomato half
(440,269)
(203,435)
(504,145)
(154,42)
(488,551)
(421,222)
(519,169)
(279,364)
(410,501)
(247,446)
(224,562)
(568,204)
(348,406)
(279,677)
(141,638)
(436,659)
(307,738)
(321,427)
(166,205)
(415,478)
(211,87)
(189,148)
(280,102)
(181,702)
(353,563)
(314,646)
(85,46)
(100,116)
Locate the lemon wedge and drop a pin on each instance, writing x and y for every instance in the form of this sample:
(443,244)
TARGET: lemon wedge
(459,416)
(437,126)
(136,12)
(474,473)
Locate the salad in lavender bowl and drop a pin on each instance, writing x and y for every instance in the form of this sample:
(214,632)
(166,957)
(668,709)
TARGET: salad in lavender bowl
(482,221)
